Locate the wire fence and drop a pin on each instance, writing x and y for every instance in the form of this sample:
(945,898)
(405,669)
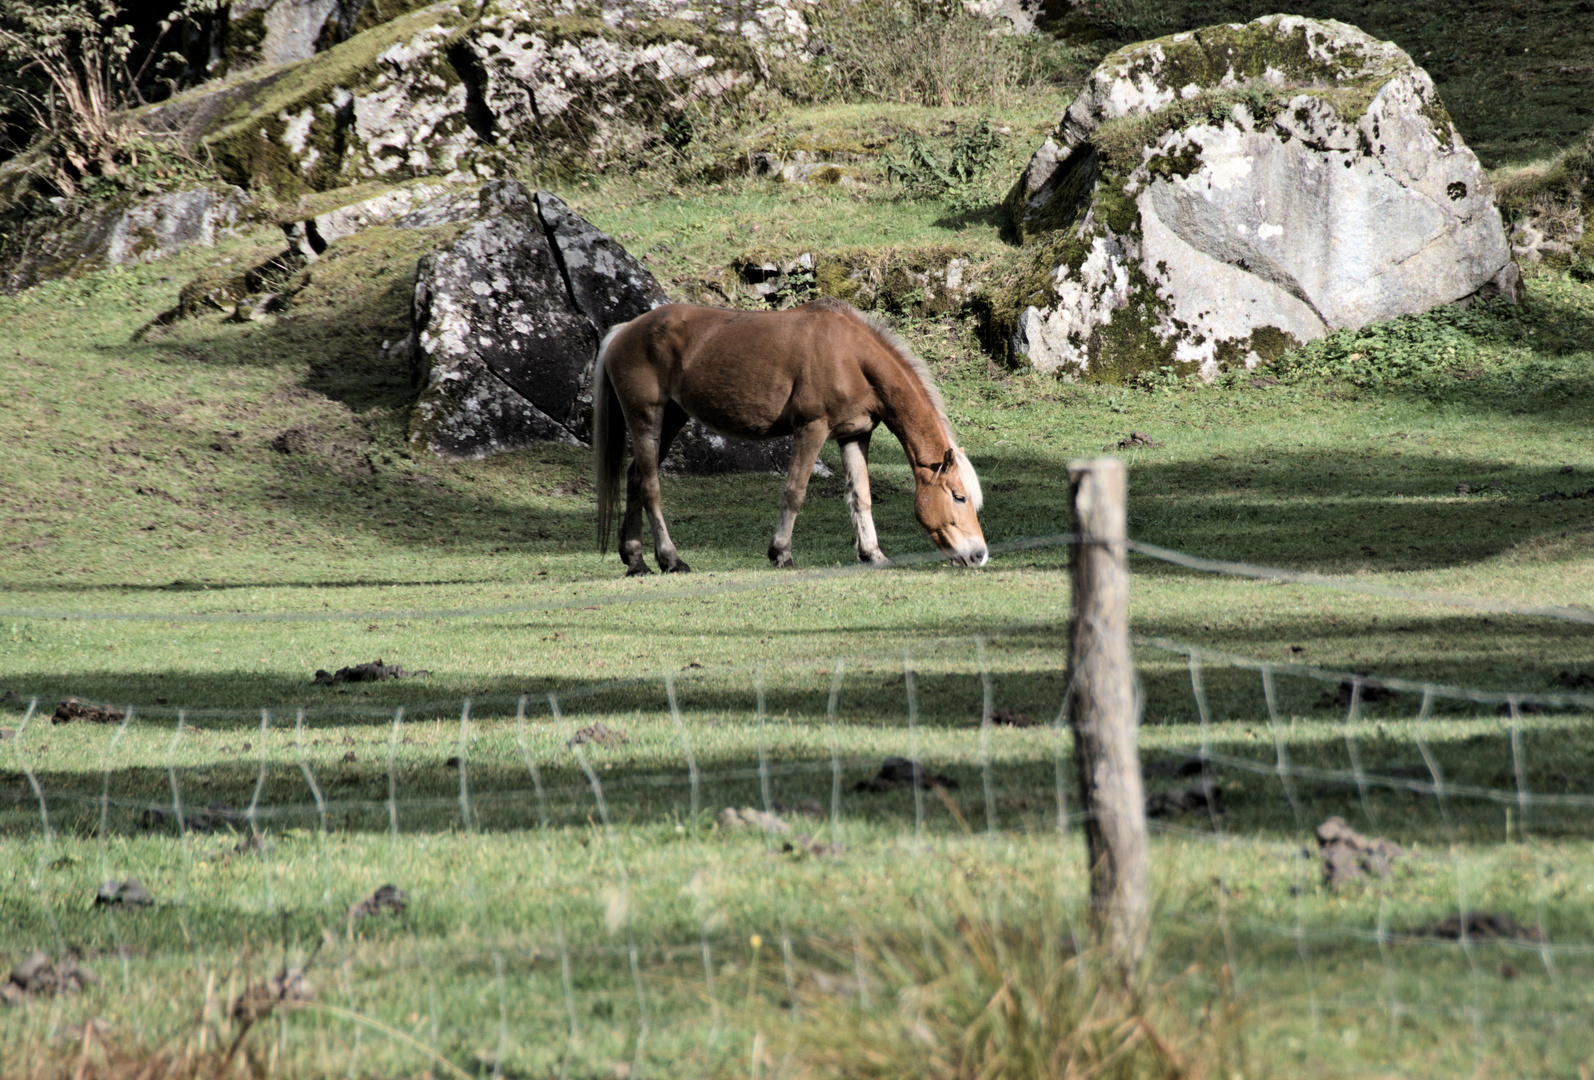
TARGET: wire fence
(631,878)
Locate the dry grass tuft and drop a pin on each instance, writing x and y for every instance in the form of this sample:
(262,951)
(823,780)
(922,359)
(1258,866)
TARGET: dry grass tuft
(998,995)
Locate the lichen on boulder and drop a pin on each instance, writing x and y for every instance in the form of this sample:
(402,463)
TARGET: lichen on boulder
(1214,198)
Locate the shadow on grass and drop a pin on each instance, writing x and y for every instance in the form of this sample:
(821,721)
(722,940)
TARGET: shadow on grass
(1364,511)
(344,783)
(1384,509)
(1501,654)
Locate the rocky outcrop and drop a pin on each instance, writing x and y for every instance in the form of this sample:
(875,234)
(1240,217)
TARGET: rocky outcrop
(1214,198)
(507,323)
(460,89)
(922,281)
(130,229)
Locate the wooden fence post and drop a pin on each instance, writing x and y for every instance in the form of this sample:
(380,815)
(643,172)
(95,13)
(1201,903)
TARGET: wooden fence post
(1102,677)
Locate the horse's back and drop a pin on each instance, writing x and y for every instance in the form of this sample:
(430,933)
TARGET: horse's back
(747,374)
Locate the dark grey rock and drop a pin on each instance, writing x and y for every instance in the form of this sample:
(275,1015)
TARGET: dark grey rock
(501,351)
(608,286)
(507,325)
(123,894)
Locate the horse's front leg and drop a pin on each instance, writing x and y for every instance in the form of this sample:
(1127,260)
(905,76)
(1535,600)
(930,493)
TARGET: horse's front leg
(805,444)
(855,456)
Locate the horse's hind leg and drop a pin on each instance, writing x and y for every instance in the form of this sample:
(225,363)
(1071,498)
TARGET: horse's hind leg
(855,456)
(643,495)
(631,525)
(805,445)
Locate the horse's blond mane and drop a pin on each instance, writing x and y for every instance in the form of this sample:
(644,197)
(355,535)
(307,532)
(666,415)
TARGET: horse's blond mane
(922,371)
(900,347)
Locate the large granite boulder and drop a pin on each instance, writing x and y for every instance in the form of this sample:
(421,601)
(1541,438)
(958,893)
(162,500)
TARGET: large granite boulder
(1214,198)
(507,323)
(463,89)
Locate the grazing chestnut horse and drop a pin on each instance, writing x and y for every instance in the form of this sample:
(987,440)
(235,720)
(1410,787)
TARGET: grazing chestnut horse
(816,372)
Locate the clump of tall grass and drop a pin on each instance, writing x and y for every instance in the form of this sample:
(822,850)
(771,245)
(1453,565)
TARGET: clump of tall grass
(1550,201)
(919,52)
(987,994)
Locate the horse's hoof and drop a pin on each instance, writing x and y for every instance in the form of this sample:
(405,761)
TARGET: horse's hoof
(878,562)
(677,567)
(783,561)
(637,570)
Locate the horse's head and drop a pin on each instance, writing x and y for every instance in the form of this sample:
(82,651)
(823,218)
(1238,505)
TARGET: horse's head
(946,503)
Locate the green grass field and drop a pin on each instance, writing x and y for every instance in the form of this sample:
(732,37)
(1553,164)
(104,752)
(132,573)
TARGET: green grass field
(196,519)
(164,554)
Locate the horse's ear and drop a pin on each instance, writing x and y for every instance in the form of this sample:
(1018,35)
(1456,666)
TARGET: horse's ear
(950,459)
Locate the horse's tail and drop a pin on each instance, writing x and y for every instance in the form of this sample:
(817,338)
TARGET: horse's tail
(608,441)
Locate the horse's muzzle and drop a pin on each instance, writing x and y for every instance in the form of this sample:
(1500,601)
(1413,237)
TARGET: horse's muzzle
(978,556)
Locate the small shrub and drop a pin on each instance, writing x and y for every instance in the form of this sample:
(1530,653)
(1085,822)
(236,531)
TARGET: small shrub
(1397,350)
(74,67)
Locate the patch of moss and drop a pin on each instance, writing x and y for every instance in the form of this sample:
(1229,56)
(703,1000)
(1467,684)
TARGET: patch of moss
(572,29)
(1028,284)
(1178,164)
(1204,57)
(245,38)
(1128,343)
(890,278)
(1268,342)
(1069,197)
(1122,140)
(1115,207)
(1439,119)
(833,277)
(376,12)
(257,157)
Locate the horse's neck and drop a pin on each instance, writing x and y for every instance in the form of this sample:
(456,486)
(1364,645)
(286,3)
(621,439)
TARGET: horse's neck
(909,412)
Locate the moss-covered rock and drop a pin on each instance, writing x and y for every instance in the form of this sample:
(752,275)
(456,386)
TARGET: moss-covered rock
(1224,194)
(466,90)
(922,281)
(1549,205)
(45,240)
(507,321)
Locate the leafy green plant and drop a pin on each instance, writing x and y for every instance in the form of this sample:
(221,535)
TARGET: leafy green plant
(922,173)
(1412,347)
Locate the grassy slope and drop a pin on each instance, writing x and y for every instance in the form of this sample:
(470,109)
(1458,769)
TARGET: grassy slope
(146,478)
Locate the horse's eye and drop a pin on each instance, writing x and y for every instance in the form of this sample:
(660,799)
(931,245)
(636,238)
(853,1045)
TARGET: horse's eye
(959,497)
